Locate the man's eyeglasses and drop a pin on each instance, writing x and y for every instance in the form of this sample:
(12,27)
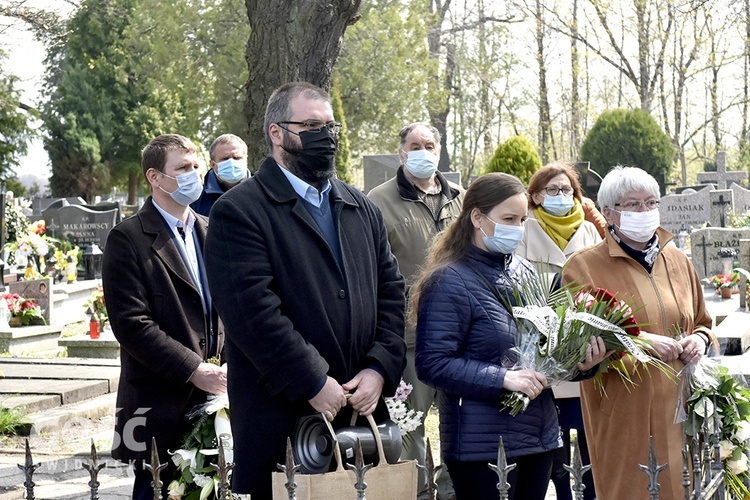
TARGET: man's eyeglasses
(554,191)
(315,126)
(633,205)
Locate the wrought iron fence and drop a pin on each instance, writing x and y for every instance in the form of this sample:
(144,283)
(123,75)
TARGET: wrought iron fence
(700,452)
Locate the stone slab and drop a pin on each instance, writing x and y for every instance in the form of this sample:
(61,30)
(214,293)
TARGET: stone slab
(83,346)
(59,361)
(705,244)
(31,372)
(29,339)
(688,211)
(72,415)
(69,391)
(733,333)
(31,403)
(68,300)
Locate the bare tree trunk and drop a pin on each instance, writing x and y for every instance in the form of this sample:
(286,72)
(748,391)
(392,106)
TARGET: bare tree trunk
(439,118)
(294,40)
(745,134)
(713,90)
(575,100)
(544,112)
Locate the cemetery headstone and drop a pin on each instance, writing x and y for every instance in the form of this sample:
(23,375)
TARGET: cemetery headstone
(689,211)
(81,225)
(722,201)
(722,177)
(40,291)
(378,169)
(39,205)
(705,244)
(741,199)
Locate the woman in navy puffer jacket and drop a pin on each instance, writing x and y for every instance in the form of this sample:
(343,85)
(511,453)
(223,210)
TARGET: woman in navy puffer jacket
(463,332)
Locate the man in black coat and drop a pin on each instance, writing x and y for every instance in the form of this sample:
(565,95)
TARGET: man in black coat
(161,313)
(307,287)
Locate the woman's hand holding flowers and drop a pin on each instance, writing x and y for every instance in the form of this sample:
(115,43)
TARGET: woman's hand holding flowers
(667,348)
(693,347)
(529,382)
(595,354)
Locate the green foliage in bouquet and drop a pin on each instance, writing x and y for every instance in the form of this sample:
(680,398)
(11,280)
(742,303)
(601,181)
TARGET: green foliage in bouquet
(708,380)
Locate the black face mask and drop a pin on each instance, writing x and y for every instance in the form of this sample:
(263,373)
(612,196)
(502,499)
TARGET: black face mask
(315,160)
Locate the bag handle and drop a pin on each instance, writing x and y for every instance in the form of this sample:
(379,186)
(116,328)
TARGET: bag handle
(374,427)
(336,451)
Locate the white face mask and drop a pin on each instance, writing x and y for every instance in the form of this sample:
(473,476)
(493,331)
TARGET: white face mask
(421,163)
(639,226)
(189,187)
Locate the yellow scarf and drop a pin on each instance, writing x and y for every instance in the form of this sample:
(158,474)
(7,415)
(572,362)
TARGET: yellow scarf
(560,229)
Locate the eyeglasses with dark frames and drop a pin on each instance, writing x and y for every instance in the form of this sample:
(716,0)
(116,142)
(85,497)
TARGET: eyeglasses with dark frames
(554,191)
(314,126)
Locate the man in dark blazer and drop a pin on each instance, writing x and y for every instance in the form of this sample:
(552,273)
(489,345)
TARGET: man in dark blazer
(307,287)
(161,313)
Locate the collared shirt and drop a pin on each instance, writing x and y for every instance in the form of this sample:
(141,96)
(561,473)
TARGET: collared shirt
(305,190)
(187,246)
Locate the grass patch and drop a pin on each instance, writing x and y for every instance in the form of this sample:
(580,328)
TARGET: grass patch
(13,422)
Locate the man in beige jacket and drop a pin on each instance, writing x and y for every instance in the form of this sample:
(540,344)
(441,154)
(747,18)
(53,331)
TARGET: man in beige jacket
(417,204)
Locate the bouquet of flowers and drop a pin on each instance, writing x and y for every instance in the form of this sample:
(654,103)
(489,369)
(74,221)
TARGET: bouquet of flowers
(197,479)
(554,329)
(96,307)
(725,280)
(406,418)
(23,308)
(702,382)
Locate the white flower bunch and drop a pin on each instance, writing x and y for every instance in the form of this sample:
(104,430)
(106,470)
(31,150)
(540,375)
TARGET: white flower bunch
(406,418)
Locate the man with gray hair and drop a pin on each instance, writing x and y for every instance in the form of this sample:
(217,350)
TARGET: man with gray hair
(228,155)
(307,287)
(417,204)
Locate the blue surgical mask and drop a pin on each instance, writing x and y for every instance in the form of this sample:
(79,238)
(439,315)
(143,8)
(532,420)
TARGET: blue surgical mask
(505,240)
(189,187)
(558,205)
(421,163)
(231,170)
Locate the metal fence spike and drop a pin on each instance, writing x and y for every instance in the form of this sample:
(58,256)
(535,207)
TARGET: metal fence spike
(290,469)
(93,470)
(28,471)
(223,469)
(359,469)
(577,469)
(502,469)
(155,469)
(652,470)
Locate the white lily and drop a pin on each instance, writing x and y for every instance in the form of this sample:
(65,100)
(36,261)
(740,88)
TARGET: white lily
(184,459)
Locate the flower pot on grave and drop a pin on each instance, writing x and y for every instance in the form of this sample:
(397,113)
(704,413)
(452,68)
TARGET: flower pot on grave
(15,321)
(726,293)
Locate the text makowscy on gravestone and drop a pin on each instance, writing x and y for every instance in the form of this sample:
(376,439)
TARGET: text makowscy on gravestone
(685,210)
(81,226)
(705,244)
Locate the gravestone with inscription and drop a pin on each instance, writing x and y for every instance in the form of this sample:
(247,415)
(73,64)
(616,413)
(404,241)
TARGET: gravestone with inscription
(705,244)
(689,211)
(81,225)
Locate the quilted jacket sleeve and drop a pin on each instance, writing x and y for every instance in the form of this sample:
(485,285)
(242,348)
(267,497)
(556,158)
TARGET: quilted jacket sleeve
(460,339)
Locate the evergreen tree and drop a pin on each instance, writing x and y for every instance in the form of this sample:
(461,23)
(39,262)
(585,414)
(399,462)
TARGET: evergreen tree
(628,137)
(14,128)
(515,156)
